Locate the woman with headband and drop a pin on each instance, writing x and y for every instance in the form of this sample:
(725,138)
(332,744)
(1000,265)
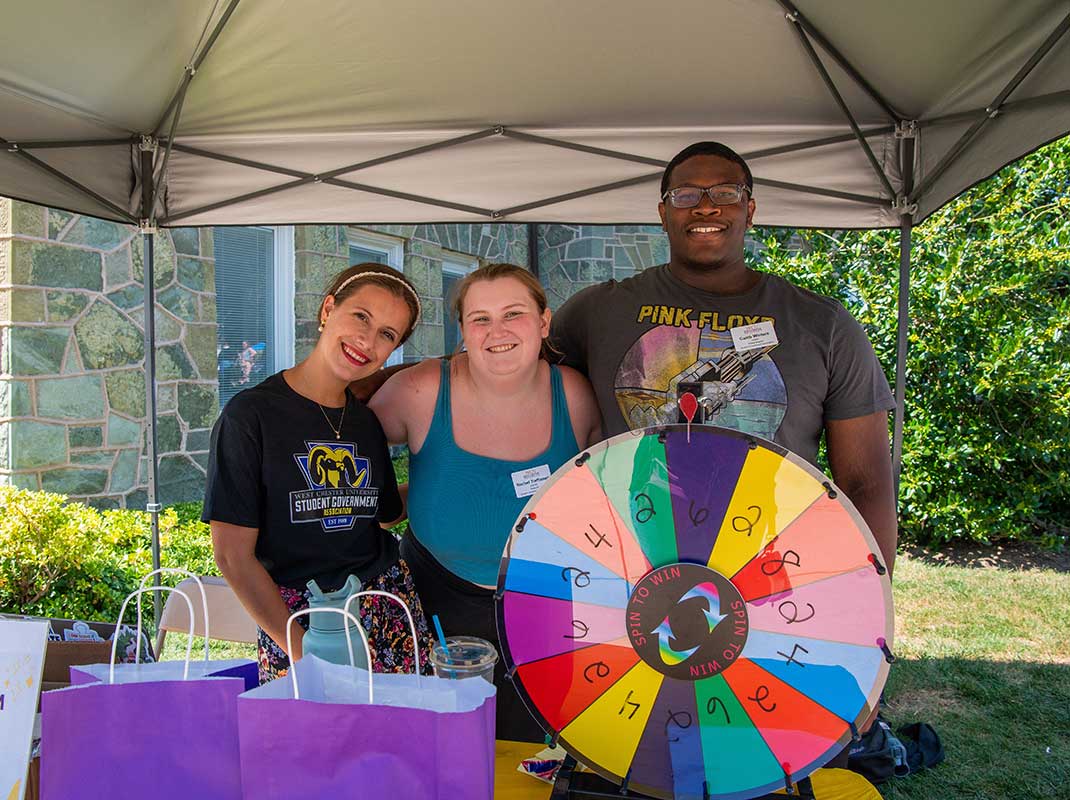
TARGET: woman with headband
(485,429)
(300,481)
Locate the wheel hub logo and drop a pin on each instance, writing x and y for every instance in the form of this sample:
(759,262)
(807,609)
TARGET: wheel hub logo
(687,621)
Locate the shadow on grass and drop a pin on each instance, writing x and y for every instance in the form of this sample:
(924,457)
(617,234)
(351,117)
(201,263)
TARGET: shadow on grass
(1010,556)
(1005,728)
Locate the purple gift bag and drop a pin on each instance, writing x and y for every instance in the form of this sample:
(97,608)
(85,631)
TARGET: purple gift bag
(171,740)
(166,731)
(345,733)
(243,668)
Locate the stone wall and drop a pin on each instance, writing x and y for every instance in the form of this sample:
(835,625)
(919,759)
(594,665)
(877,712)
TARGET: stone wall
(72,391)
(72,398)
(320,252)
(572,257)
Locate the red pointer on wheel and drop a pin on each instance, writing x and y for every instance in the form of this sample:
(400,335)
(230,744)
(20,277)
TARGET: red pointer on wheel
(688,405)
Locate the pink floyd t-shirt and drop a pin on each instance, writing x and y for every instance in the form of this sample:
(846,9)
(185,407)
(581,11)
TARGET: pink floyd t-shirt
(776,361)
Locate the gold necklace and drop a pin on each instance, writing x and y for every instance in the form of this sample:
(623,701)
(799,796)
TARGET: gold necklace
(341,419)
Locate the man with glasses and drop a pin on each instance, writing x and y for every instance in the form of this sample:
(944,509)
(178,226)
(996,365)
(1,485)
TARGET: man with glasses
(761,355)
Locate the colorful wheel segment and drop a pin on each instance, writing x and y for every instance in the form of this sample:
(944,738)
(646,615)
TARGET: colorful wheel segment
(695,612)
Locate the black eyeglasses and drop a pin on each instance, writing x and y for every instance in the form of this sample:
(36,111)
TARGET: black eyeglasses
(724,194)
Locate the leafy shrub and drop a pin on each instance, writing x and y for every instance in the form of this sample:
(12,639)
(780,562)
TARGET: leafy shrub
(988,370)
(60,559)
(48,547)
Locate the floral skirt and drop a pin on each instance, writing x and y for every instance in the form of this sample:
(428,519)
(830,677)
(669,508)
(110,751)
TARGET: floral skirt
(383,620)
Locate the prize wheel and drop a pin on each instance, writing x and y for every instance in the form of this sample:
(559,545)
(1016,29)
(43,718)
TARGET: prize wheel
(692,611)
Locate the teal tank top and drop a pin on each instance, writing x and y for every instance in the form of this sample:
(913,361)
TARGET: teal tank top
(462,506)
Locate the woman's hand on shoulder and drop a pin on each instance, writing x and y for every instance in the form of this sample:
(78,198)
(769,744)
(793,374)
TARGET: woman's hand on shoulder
(582,407)
(406,403)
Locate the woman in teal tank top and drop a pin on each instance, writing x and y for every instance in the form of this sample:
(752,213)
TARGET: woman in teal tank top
(485,429)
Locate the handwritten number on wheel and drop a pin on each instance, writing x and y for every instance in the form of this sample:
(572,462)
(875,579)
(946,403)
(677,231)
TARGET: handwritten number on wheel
(761,694)
(717,703)
(774,565)
(601,670)
(681,719)
(742,523)
(645,508)
(698,515)
(581,579)
(629,702)
(598,537)
(791,658)
(580,626)
(792,614)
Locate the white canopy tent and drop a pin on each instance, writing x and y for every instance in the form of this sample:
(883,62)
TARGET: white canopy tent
(226,112)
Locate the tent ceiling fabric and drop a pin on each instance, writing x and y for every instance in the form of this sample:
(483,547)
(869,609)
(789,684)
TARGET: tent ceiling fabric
(309,87)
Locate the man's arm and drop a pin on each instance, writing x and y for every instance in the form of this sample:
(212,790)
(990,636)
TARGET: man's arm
(862,466)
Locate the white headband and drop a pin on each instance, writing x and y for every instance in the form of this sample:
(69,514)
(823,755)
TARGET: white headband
(359,275)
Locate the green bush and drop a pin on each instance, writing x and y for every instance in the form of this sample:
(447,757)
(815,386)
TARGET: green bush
(60,559)
(988,372)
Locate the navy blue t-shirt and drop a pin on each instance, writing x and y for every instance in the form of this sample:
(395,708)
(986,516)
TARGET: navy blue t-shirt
(317,500)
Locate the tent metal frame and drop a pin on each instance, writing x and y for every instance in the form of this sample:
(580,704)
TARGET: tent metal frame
(152,168)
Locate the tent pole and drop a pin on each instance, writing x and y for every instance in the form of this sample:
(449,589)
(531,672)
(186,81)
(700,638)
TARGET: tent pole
(582,148)
(533,249)
(605,187)
(1025,104)
(906,227)
(148,233)
(796,18)
(14,148)
(817,190)
(195,63)
(48,144)
(857,131)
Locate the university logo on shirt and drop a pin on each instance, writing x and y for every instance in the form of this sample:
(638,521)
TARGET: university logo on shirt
(339,486)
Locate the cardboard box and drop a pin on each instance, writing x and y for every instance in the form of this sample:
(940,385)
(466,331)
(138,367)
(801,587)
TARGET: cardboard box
(61,656)
(33,780)
(76,631)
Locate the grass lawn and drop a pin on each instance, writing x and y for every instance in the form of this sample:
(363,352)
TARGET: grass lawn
(984,656)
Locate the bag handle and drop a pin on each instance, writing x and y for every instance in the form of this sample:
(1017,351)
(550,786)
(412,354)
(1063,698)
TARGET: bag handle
(349,641)
(408,613)
(204,605)
(137,634)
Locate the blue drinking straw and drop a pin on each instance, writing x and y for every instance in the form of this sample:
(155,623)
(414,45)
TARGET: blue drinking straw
(441,638)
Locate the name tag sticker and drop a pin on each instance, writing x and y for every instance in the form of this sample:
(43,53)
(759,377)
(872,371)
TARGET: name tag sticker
(528,481)
(749,337)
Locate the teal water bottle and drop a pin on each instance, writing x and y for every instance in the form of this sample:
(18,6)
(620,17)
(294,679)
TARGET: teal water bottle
(326,636)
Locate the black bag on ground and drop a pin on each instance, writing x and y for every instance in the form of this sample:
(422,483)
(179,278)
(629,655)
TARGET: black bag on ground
(924,748)
(881,754)
(878,755)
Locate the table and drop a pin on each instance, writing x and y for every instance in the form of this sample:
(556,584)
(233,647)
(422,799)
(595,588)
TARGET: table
(510,784)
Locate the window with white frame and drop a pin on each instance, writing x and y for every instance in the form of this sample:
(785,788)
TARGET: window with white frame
(254,268)
(454,267)
(368,246)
